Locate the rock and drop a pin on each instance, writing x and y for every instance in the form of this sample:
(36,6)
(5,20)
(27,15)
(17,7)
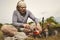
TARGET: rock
(17,36)
(20,36)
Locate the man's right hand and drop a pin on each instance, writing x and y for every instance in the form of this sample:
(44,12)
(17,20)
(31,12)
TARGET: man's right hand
(26,25)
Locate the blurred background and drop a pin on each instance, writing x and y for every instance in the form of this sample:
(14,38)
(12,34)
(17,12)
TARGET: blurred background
(47,11)
(40,8)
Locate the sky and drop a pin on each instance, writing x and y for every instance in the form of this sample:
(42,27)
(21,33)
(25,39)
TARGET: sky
(39,8)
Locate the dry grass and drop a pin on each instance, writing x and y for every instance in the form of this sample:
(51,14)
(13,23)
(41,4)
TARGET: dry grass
(1,36)
(56,37)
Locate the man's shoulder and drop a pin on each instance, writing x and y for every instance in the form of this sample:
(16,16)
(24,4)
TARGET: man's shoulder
(28,11)
(15,12)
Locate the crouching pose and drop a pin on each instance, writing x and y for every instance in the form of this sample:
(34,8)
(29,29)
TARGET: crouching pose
(19,19)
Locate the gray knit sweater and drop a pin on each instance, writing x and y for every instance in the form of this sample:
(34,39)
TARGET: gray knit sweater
(19,20)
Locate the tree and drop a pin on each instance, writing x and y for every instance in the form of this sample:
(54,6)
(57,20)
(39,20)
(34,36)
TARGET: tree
(51,20)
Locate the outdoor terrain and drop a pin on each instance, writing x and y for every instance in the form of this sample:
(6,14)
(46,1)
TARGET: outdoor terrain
(44,24)
(57,37)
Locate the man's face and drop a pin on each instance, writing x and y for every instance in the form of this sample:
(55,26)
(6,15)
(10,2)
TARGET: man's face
(22,9)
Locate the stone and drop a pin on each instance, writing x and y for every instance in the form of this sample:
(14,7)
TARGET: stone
(20,36)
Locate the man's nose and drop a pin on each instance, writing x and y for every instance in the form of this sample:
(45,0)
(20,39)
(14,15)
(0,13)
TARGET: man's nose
(23,8)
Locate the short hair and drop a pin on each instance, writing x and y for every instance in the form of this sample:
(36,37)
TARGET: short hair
(20,3)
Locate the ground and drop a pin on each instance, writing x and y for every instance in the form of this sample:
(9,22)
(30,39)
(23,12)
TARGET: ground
(56,37)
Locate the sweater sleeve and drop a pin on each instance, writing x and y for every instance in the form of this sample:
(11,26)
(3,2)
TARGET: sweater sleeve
(14,20)
(33,17)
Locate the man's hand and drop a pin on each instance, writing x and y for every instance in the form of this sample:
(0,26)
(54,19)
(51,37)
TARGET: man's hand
(26,25)
(39,27)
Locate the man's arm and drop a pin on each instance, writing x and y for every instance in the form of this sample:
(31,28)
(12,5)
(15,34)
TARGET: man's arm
(35,20)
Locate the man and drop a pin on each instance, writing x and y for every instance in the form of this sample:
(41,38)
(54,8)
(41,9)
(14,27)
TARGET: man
(20,16)
(19,20)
